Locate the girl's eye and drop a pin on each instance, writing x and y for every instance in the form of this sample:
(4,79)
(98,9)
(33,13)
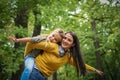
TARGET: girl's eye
(53,35)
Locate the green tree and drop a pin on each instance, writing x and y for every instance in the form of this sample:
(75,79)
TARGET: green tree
(93,21)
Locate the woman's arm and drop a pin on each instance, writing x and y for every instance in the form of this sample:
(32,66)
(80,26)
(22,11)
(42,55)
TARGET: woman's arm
(44,45)
(90,68)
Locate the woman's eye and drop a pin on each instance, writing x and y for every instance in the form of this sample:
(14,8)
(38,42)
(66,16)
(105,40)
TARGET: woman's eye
(69,40)
(64,37)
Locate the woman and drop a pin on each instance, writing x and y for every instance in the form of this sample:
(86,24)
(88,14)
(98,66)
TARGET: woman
(55,37)
(54,56)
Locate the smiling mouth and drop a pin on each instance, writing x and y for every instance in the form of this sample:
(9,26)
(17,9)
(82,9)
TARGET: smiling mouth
(64,44)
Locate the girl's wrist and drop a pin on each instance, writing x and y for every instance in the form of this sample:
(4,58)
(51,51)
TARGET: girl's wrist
(16,40)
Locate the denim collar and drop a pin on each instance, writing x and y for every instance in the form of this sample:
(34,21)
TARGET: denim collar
(61,51)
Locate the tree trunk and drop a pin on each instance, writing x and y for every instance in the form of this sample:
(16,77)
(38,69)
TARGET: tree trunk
(54,76)
(108,69)
(96,44)
(20,20)
(37,26)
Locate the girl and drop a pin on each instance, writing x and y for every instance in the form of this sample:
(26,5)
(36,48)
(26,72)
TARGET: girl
(55,37)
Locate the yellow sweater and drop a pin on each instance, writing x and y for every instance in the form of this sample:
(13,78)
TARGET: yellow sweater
(50,60)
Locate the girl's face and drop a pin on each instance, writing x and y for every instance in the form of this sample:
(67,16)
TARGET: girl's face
(67,41)
(55,37)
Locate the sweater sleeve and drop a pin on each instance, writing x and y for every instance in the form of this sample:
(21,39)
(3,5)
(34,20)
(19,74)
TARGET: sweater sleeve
(90,68)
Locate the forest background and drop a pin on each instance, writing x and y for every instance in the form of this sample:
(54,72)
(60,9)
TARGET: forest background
(96,23)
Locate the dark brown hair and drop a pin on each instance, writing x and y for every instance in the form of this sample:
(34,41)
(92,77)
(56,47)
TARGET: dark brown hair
(77,54)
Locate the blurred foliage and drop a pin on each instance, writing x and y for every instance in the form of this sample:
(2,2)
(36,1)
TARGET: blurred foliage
(72,15)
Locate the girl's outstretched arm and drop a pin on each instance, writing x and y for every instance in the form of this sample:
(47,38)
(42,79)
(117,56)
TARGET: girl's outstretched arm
(20,39)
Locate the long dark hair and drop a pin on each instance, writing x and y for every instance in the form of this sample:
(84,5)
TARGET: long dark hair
(77,54)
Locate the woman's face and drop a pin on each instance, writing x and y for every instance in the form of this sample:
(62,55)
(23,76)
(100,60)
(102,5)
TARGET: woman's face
(67,41)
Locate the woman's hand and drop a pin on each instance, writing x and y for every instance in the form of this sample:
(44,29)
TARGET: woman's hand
(99,72)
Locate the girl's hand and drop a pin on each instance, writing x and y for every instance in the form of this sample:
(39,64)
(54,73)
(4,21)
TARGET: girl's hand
(13,39)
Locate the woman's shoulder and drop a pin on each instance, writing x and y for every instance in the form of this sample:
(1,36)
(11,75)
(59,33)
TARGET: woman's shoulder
(50,44)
